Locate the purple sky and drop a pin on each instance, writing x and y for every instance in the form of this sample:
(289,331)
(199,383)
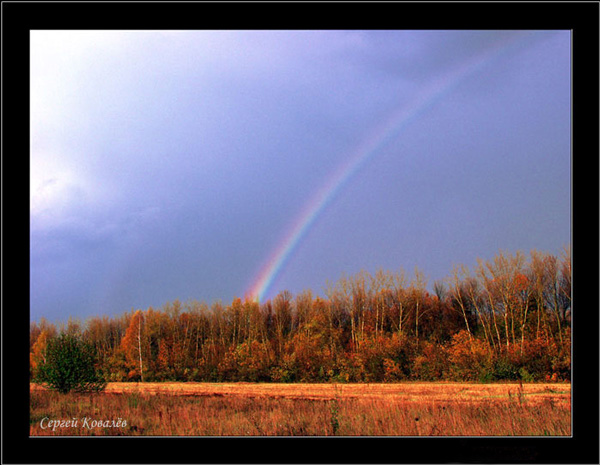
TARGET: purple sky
(172,164)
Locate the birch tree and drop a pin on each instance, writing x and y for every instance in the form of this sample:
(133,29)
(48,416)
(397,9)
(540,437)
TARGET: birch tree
(133,343)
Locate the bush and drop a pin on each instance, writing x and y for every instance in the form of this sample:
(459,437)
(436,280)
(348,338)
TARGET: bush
(505,370)
(70,366)
(431,364)
(526,376)
(468,358)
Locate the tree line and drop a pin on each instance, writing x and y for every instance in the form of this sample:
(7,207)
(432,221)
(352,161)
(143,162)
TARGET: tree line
(509,318)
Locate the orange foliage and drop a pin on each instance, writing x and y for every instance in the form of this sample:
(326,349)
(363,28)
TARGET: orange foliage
(510,320)
(467,356)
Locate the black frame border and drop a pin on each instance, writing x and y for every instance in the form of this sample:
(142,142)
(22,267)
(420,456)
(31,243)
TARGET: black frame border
(20,17)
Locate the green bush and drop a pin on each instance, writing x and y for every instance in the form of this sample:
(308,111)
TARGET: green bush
(525,375)
(70,366)
(504,370)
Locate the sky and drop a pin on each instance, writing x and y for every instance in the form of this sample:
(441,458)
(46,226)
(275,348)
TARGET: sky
(209,165)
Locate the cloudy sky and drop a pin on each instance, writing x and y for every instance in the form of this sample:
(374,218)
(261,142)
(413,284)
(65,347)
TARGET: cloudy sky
(209,164)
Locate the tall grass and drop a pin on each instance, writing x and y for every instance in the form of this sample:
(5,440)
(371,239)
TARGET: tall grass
(163,414)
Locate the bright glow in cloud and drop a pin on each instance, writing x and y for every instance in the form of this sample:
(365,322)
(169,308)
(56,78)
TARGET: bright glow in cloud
(54,188)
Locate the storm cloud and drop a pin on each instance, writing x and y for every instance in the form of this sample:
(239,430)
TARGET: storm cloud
(169,164)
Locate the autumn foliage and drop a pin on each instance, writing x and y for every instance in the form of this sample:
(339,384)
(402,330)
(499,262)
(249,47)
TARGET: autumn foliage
(508,319)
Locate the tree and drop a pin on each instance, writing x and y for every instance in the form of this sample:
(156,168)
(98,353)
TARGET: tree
(37,356)
(565,280)
(282,317)
(541,282)
(458,296)
(417,292)
(70,365)
(380,283)
(396,297)
(134,343)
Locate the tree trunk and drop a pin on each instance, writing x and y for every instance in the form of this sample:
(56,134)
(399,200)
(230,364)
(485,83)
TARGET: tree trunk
(140,347)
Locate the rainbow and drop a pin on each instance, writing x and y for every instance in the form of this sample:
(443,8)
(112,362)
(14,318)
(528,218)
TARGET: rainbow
(368,148)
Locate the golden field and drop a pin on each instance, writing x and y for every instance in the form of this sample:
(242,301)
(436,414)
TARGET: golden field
(261,409)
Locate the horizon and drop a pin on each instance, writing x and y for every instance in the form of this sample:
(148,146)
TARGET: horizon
(429,288)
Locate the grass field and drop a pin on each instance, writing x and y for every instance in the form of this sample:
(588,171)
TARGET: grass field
(248,409)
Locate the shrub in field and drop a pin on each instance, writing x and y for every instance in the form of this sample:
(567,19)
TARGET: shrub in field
(431,363)
(525,375)
(70,365)
(505,370)
(469,357)
(531,359)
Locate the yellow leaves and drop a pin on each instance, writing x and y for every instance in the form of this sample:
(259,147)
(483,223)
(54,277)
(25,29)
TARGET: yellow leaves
(38,351)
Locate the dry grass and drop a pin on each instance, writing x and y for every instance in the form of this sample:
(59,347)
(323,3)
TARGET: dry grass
(242,409)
